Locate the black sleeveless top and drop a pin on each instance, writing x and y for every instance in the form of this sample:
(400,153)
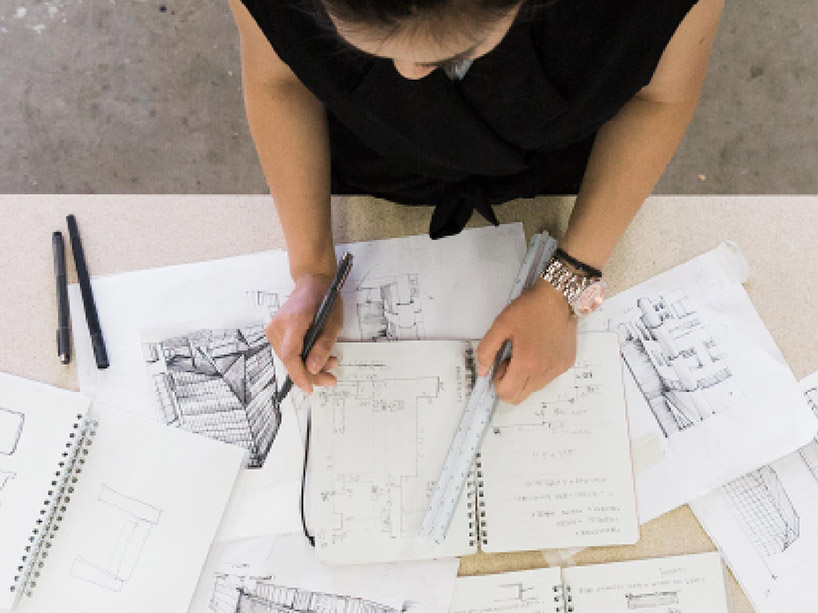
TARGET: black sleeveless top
(521,123)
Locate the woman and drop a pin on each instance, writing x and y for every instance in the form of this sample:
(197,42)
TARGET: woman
(464,104)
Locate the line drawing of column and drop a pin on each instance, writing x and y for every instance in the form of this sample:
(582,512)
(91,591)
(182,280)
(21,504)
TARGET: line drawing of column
(676,362)
(11,429)
(138,519)
(219,383)
(764,511)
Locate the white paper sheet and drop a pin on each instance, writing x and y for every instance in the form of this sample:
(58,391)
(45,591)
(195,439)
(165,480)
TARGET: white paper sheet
(679,584)
(140,521)
(36,423)
(406,288)
(283,569)
(766,525)
(704,379)
(524,591)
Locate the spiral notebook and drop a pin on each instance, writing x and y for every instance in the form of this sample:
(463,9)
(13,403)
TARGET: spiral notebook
(101,510)
(553,471)
(678,584)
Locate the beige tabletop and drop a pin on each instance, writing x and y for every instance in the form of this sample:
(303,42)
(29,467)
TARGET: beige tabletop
(120,233)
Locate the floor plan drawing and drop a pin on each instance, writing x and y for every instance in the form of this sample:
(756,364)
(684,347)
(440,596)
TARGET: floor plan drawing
(134,521)
(219,383)
(11,429)
(235,595)
(764,511)
(388,308)
(359,492)
(677,363)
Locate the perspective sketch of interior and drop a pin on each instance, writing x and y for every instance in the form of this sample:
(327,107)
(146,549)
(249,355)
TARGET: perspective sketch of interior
(676,362)
(389,308)
(763,509)
(11,429)
(135,520)
(233,595)
(219,383)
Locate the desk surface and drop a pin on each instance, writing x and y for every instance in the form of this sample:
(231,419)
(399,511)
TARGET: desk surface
(776,234)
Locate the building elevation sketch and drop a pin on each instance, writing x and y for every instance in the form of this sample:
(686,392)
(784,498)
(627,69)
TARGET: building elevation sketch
(235,595)
(219,383)
(11,429)
(764,511)
(134,521)
(678,365)
(388,308)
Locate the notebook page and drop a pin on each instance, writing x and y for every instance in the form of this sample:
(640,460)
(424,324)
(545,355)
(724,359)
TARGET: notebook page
(524,591)
(36,421)
(137,530)
(682,584)
(556,468)
(378,441)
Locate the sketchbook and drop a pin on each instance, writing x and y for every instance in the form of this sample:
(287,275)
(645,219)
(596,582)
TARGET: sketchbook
(553,471)
(101,510)
(679,584)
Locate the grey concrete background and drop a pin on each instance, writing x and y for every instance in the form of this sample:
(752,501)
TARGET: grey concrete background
(143,96)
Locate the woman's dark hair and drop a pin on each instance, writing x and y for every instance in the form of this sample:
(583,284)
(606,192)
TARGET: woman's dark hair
(392,15)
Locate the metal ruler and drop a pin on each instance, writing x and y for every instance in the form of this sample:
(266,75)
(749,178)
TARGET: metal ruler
(478,411)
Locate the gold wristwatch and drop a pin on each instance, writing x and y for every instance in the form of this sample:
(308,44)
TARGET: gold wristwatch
(584,292)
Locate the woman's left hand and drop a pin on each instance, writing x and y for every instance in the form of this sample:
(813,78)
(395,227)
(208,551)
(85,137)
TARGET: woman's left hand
(542,329)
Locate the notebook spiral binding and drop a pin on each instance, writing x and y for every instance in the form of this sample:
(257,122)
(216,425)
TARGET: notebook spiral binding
(54,506)
(474,493)
(562,599)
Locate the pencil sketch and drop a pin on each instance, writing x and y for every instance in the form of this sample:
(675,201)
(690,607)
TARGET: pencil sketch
(268,301)
(764,511)
(555,414)
(651,600)
(237,595)
(219,383)
(5,477)
(392,494)
(809,453)
(388,308)
(517,592)
(678,365)
(11,429)
(135,522)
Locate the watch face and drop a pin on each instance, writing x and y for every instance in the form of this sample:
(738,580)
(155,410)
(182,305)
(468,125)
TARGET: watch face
(590,298)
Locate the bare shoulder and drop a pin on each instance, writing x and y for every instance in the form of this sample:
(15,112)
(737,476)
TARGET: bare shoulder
(258,58)
(681,71)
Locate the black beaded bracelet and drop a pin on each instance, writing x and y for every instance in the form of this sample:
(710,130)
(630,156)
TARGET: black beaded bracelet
(589,270)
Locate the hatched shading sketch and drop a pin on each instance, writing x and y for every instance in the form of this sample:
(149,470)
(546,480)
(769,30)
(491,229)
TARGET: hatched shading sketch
(11,429)
(389,495)
(219,383)
(388,308)
(237,595)
(678,365)
(652,600)
(136,520)
(762,507)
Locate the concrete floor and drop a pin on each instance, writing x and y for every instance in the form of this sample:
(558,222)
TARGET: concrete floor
(143,96)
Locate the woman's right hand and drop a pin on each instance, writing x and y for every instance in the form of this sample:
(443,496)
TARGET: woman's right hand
(289,325)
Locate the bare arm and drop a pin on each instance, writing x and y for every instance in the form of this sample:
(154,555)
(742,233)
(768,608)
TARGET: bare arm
(289,128)
(629,155)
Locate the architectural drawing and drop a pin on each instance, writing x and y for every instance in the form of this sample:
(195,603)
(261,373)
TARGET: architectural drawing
(5,477)
(269,302)
(764,511)
(383,406)
(137,519)
(11,429)
(678,365)
(388,308)
(220,383)
(517,592)
(236,595)
(809,453)
(654,599)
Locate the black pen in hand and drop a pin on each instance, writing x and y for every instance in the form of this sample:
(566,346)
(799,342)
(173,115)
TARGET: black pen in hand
(321,316)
